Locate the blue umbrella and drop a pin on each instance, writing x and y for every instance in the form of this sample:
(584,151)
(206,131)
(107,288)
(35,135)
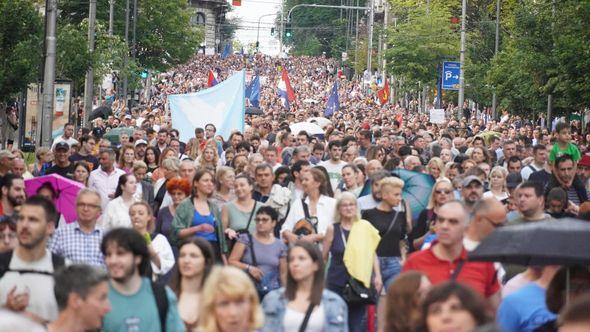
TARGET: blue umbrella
(417,189)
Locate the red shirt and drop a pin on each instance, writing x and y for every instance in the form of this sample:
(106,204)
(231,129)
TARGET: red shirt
(480,276)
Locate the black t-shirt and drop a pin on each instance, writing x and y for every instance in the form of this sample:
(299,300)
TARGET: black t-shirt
(381,220)
(66,172)
(91,160)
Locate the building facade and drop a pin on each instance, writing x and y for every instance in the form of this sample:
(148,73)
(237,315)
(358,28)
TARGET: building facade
(211,15)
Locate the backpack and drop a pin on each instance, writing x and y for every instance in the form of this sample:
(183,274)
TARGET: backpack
(6,257)
(161,302)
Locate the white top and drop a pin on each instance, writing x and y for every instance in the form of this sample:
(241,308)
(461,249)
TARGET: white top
(500,197)
(325,213)
(105,183)
(71,141)
(293,319)
(527,170)
(334,171)
(164,251)
(116,215)
(40,286)
(367,202)
(167,200)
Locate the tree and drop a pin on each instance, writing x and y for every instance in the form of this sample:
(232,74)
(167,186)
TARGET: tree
(21,44)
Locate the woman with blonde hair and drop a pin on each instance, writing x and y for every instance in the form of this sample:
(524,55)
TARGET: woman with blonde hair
(225,179)
(442,192)
(351,243)
(209,159)
(229,302)
(436,168)
(497,180)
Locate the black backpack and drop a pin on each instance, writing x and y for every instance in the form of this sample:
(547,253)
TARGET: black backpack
(6,257)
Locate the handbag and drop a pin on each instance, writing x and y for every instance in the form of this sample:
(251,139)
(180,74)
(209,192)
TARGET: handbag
(265,285)
(355,291)
(232,242)
(307,225)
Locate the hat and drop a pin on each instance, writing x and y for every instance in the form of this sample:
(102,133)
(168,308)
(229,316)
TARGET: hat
(140,141)
(513,180)
(365,126)
(470,179)
(127,117)
(6,154)
(585,161)
(61,145)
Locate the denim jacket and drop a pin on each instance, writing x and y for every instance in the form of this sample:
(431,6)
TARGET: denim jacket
(275,304)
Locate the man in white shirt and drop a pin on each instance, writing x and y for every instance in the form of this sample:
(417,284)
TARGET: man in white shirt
(334,164)
(66,137)
(540,157)
(105,178)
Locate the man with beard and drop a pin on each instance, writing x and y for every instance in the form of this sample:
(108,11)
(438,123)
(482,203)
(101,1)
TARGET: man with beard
(26,282)
(371,201)
(138,304)
(81,293)
(471,192)
(564,176)
(12,194)
(334,164)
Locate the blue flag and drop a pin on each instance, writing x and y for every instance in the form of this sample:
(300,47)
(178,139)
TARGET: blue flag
(226,51)
(222,105)
(253,92)
(333,102)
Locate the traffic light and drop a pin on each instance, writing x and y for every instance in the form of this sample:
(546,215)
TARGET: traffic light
(272,31)
(288,31)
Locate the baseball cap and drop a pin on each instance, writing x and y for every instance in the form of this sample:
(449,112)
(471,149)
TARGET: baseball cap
(61,146)
(128,117)
(140,141)
(6,154)
(585,161)
(513,180)
(470,179)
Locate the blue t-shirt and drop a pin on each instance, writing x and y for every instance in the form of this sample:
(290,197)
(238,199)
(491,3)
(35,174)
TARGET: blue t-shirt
(524,310)
(199,219)
(139,312)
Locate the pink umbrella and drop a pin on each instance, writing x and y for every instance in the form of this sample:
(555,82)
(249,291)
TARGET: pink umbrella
(67,190)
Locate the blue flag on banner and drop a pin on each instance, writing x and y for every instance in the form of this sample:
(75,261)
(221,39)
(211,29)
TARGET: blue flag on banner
(253,92)
(222,105)
(333,102)
(226,51)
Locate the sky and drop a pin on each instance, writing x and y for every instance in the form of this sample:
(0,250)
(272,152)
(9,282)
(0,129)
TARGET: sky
(249,13)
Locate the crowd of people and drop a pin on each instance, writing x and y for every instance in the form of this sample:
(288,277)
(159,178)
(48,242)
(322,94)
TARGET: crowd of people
(274,230)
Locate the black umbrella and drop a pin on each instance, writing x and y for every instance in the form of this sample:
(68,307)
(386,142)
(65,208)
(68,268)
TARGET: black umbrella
(100,112)
(559,242)
(253,110)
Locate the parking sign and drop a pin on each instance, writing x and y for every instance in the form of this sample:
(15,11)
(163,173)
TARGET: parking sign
(450,75)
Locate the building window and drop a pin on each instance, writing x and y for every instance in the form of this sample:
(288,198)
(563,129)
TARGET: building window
(198,19)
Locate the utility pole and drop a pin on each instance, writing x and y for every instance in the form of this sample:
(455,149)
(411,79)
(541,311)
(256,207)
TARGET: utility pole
(356,42)
(46,117)
(462,58)
(126,56)
(281,29)
(111,16)
(133,40)
(550,95)
(497,44)
(370,37)
(89,86)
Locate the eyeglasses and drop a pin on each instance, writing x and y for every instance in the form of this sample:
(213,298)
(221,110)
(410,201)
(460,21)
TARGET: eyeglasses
(88,206)
(262,220)
(494,225)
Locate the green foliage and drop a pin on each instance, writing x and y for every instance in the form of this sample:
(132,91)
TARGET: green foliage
(21,40)
(420,42)
(72,56)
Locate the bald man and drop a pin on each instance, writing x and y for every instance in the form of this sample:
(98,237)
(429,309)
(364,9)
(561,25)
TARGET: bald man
(489,214)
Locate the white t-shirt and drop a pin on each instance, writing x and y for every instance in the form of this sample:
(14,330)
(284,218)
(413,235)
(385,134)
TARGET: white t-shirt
(40,286)
(293,319)
(71,141)
(334,171)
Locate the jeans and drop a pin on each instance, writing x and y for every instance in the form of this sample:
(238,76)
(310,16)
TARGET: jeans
(390,267)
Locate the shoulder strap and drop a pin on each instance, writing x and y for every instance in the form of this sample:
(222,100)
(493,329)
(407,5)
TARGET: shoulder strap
(306,318)
(57,261)
(5,259)
(391,223)
(250,218)
(161,302)
(305,209)
(457,270)
(251,245)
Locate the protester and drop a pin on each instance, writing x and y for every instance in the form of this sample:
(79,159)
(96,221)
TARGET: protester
(229,302)
(260,254)
(178,189)
(401,312)
(225,179)
(137,303)
(12,190)
(194,264)
(116,213)
(79,242)
(351,244)
(85,152)
(81,172)
(81,293)
(62,165)
(489,214)
(575,315)
(304,295)
(105,179)
(144,190)
(423,232)
(8,239)
(531,201)
(32,292)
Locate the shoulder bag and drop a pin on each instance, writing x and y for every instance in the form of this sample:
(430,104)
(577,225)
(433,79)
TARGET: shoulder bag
(355,291)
